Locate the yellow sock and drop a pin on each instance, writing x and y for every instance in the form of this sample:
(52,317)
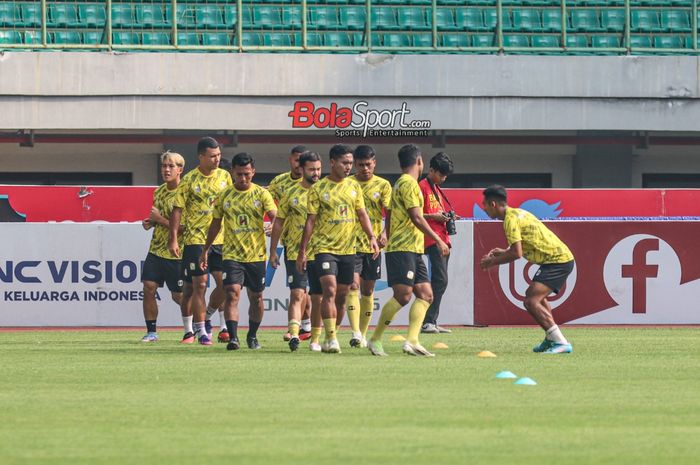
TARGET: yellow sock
(352,303)
(390,309)
(329,324)
(316,334)
(294,328)
(415,319)
(366,309)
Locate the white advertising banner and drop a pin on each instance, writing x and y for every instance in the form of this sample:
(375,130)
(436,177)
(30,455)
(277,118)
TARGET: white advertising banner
(90,275)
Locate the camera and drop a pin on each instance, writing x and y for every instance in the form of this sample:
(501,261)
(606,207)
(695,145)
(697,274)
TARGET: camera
(450,223)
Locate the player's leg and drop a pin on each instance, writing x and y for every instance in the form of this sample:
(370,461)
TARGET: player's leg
(550,278)
(216,299)
(186,313)
(352,306)
(297,299)
(231,314)
(254,282)
(150,310)
(315,297)
(305,330)
(424,296)
(329,310)
(198,279)
(371,271)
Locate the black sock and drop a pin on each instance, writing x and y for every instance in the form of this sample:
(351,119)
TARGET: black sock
(151,326)
(253,329)
(232,327)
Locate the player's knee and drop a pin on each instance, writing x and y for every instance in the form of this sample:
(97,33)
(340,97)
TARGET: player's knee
(199,287)
(149,288)
(530,303)
(403,299)
(255,298)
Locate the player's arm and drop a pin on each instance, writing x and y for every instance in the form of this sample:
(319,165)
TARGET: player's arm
(305,238)
(277,227)
(501,256)
(387,228)
(174,226)
(214,228)
(367,228)
(416,216)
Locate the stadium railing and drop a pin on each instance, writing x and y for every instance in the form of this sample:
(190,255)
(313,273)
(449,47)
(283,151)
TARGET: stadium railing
(541,27)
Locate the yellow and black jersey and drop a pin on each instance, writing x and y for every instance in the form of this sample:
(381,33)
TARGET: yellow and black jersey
(293,209)
(540,245)
(280,184)
(377,196)
(163,199)
(404,236)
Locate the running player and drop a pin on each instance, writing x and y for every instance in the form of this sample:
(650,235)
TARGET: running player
(289,222)
(406,270)
(335,204)
(195,201)
(528,237)
(242,209)
(377,196)
(160,265)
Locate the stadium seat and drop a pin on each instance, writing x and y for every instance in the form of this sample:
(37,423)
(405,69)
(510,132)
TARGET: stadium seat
(9,16)
(515,40)
(668,42)
(396,40)
(313,39)
(208,17)
(62,15)
(423,40)
(551,20)
(384,18)
(576,41)
(32,37)
(10,37)
(445,19)
(491,19)
(65,37)
(470,19)
(640,42)
(94,37)
(481,2)
(291,17)
(353,17)
(455,40)
(216,39)
(323,17)
(337,39)
(526,20)
(250,39)
(92,15)
(645,21)
(151,16)
(125,38)
(185,15)
(31,16)
(420,2)
(413,19)
(612,20)
(122,15)
(585,21)
(455,2)
(686,3)
(545,41)
(675,21)
(187,38)
(655,3)
(277,39)
(484,40)
(155,38)
(267,17)
(231,14)
(605,41)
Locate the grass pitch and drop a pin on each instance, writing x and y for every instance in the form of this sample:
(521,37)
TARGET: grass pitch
(625,396)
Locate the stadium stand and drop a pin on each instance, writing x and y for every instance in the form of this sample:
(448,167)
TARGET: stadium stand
(466,26)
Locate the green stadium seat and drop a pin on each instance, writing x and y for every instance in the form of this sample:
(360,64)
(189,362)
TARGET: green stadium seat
(541,3)
(31,16)
(267,17)
(63,15)
(640,42)
(604,3)
(605,41)
(291,17)
(551,20)
(94,37)
(420,2)
(470,19)
(576,41)
(545,41)
(9,16)
(396,40)
(445,19)
(155,38)
(122,15)
(125,38)
(216,39)
(453,2)
(484,40)
(10,37)
(423,40)
(353,17)
(481,2)
(515,40)
(585,21)
(360,40)
(187,38)
(185,15)
(32,37)
(689,42)
(277,39)
(151,16)
(455,40)
(231,14)
(392,2)
(668,42)
(655,3)
(384,18)
(336,2)
(313,39)
(337,39)
(491,19)
(251,39)
(526,20)
(208,17)
(92,15)
(413,19)
(65,37)
(612,20)
(323,17)
(686,3)
(645,21)
(675,21)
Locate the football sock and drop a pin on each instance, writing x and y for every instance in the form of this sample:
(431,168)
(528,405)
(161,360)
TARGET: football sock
(353,310)
(232,327)
(554,334)
(306,325)
(151,326)
(329,325)
(222,320)
(187,324)
(253,329)
(415,319)
(210,312)
(366,309)
(294,328)
(199,329)
(316,334)
(389,310)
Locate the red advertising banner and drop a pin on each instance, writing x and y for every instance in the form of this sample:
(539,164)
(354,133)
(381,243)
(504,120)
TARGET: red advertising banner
(626,273)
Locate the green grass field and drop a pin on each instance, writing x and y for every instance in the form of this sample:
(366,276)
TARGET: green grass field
(625,396)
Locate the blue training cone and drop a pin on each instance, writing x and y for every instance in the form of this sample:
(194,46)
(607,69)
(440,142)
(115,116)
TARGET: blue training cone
(506,375)
(526,382)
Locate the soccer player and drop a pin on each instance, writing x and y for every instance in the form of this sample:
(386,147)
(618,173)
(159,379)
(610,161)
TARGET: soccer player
(160,265)
(528,237)
(195,201)
(406,270)
(335,204)
(242,209)
(290,221)
(376,193)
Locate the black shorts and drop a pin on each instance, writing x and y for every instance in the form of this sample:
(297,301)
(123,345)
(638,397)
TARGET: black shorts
(295,280)
(553,275)
(369,269)
(314,282)
(406,268)
(340,266)
(190,261)
(250,275)
(161,270)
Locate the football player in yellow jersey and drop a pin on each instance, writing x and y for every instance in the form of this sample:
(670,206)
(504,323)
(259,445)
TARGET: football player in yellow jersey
(242,209)
(528,237)
(335,204)
(160,265)
(377,196)
(291,218)
(406,271)
(195,201)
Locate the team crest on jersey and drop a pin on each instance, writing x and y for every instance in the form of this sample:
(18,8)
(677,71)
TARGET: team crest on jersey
(197,189)
(326,196)
(227,205)
(243,220)
(343,210)
(257,204)
(376,195)
(222,184)
(353,193)
(295,201)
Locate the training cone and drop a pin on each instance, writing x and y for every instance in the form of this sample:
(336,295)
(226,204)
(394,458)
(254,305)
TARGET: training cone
(397,338)
(506,375)
(486,354)
(439,345)
(526,382)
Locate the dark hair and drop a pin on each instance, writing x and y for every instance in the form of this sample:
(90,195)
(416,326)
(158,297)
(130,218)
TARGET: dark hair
(298,149)
(224,164)
(408,155)
(243,159)
(495,192)
(206,143)
(338,150)
(364,152)
(441,162)
(308,156)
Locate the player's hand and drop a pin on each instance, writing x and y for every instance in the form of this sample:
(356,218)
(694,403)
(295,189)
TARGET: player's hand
(155,213)
(495,252)
(444,249)
(274,260)
(301,262)
(146,224)
(204,260)
(382,240)
(375,247)
(174,248)
(267,227)
(486,261)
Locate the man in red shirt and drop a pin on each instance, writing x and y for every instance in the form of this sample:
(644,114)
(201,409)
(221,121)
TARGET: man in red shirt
(435,209)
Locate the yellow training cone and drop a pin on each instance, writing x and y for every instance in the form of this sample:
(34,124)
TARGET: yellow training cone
(440,345)
(486,354)
(397,338)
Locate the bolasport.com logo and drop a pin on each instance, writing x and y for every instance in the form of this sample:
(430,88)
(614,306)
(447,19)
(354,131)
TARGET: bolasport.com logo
(358,121)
